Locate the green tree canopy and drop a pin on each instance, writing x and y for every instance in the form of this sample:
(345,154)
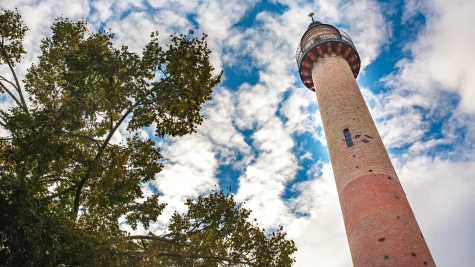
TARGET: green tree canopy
(64,185)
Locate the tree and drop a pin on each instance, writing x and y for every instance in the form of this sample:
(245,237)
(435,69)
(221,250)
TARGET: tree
(64,185)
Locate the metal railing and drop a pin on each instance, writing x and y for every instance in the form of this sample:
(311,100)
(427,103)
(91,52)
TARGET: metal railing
(303,48)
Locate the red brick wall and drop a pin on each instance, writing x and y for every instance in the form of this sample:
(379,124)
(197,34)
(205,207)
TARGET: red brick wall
(380,225)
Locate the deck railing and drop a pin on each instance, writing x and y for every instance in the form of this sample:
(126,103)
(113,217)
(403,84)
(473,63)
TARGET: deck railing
(310,43)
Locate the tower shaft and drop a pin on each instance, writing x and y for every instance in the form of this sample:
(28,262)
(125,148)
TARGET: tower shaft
(380,225)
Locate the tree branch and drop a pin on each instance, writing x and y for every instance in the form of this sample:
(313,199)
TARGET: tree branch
(163,72)
(111,123)
(144,246)
(86,137)
(98,155)
(195,230)
(178,255)
(4,79)
(50,179)
(12,95)
(156,238)
(69,189)
(18,87)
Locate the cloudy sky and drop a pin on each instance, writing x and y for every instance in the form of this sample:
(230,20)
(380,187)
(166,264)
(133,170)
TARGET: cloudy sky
(263,135)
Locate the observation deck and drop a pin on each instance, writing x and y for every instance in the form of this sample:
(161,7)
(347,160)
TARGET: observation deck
(321,39)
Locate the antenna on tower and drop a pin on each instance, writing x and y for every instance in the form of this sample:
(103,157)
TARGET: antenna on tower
(311,15)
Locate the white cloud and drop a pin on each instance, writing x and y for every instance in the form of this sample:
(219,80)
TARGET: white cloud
(363,20)
(296,109)
(192,160)
(103,10)
(398,122)
(434,84)
(442,196)
(191,163)
(367,27)
(219,127)
(216,18)
(178,5)
(440,58)
(320,235)
(134,29)
(264,180)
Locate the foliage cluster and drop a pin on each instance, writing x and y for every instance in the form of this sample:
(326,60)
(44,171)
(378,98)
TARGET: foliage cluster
(64,185)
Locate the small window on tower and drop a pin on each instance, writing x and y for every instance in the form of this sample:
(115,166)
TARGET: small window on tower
(347,134)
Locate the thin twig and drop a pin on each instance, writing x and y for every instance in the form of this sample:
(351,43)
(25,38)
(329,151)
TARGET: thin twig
(143,244)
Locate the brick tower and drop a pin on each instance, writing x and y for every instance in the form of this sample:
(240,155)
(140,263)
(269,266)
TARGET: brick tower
(380,225)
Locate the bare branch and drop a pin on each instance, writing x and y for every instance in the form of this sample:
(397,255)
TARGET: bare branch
(10,93)
(4,79)
(18,87)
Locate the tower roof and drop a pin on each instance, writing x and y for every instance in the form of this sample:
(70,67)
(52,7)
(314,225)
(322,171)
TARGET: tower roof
(314,23)
(324,39)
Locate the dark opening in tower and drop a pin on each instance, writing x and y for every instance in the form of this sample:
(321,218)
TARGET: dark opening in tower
(347,134)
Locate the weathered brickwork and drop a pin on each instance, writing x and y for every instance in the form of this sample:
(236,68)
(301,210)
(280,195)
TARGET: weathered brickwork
(380,225)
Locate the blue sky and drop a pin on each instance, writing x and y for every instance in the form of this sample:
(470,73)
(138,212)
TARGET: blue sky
(263,134)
